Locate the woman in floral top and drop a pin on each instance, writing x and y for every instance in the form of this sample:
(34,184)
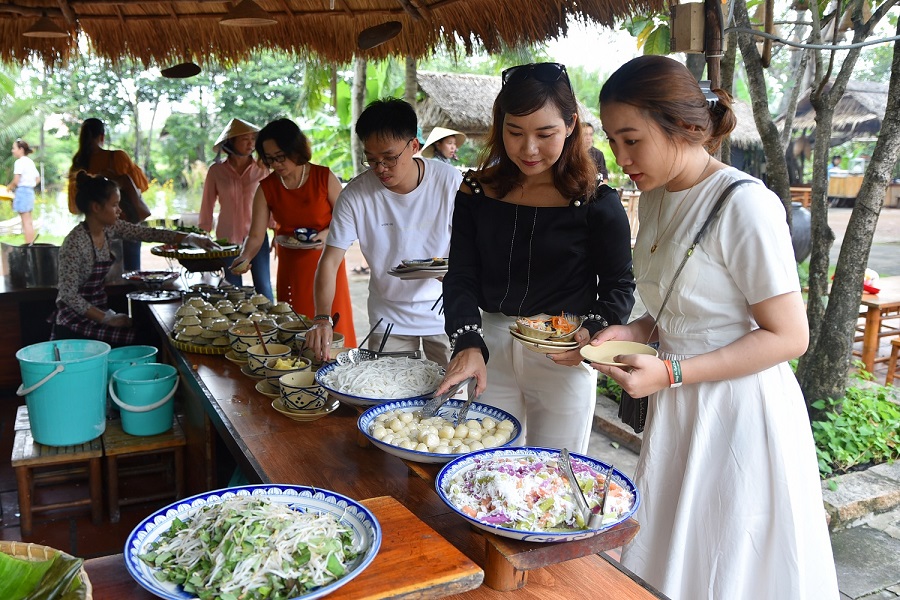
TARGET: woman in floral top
(85,259)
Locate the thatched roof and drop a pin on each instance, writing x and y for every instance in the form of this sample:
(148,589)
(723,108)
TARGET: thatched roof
(165,33)
(457,101)
(745,134)
(462,101)
(859,111)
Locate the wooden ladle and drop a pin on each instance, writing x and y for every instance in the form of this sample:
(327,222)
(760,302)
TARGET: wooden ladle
(259,334)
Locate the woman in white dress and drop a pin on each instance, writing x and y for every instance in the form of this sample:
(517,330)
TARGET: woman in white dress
(732,504)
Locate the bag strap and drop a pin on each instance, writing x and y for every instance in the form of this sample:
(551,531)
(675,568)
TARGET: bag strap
(712,215)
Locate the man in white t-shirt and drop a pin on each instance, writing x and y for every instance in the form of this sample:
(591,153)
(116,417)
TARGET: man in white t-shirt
(400,208)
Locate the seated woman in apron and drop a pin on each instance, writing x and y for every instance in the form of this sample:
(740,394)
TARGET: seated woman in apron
(85,258)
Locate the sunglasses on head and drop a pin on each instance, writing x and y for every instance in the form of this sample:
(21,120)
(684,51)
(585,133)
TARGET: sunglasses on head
(549,72)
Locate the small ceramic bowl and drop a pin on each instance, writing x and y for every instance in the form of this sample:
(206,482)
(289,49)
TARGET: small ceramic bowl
(221,324)
(257,357)
(299,391)
(196,301)
(244,336)
(189,320)
(280,308)
(222,340)
(337,345)
(291,333)
(273,374)
(186,310)
(236,297)
(532,332)
(305,234)
(246,307)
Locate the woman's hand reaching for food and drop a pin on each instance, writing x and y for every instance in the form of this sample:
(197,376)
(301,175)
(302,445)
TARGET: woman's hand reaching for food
(467,363)
(201,241)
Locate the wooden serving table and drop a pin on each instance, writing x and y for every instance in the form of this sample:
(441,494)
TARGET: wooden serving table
(878,308)
(270,448)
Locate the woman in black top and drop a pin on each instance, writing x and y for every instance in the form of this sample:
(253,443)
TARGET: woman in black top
(533,233)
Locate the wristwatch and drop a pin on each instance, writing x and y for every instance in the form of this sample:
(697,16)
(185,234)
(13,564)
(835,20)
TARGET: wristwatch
(324,318)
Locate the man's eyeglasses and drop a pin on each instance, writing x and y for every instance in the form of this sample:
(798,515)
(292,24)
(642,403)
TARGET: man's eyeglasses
(275,159)
(389,161)
(549,72)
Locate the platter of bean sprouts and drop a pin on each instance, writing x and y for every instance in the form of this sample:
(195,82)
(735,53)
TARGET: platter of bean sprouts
(375,381)
(277,542)
(398,427)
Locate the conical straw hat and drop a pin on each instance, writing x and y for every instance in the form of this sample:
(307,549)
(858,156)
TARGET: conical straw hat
(436,135)
(235,128)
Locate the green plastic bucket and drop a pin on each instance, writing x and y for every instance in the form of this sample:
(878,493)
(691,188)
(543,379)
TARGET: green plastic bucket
(144,394)
(64,384)
(127,356)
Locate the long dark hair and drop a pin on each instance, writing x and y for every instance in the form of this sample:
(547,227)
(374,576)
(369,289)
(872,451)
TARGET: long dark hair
(92,188)
(666,92)
(574,173)
(23,146)
(91,129)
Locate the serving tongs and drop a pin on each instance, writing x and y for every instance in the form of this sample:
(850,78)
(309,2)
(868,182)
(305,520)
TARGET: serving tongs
(431,407)
(592,517)
(354,356)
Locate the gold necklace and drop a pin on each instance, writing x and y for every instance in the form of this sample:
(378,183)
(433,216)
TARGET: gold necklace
(659,235)
(303,170)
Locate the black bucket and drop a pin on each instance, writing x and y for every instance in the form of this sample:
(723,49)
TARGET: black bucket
(33,266)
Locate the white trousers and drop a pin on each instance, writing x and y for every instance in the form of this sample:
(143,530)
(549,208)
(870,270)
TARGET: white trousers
(554,403)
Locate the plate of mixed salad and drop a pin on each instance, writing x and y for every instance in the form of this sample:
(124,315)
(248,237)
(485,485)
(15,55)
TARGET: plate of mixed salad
(278,542)
(522,493)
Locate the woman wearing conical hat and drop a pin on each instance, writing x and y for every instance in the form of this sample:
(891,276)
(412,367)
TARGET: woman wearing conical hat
(233,183)
(442,144)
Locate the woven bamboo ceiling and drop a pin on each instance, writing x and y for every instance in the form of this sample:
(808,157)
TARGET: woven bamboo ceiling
(164,33)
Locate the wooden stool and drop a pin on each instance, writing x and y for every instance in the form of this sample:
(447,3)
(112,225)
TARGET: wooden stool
(39,464)
(118,444)
(892,363)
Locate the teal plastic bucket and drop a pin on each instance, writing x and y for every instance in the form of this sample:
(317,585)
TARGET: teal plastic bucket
(127,356)
(64,384)
(144,394)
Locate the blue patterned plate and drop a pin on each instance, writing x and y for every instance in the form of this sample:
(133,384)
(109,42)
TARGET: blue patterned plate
(448,411)
(366,530)
(470,461)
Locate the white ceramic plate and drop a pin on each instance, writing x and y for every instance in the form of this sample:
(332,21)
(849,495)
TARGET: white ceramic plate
(305,416)
(246,371)
(543,348)
(293,243)
(233,357)
(605,353)
(359,400)
(521,336)
(425,273)
(471,461)
(448,410)
(267,389)
(423,263)
(365,527)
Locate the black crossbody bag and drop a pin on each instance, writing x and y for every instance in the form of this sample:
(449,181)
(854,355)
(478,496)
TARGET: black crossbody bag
(633,411)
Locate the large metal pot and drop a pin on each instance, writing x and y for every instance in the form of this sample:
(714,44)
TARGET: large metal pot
(31,266)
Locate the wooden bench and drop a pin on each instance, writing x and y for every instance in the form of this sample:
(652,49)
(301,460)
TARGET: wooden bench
(119,445)
(36,464)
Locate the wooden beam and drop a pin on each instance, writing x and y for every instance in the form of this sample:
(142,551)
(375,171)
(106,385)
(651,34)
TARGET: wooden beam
(411,10)
(67,12)
(29,11)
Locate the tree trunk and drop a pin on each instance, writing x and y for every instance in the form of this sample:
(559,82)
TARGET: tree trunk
(776,165)
(411,86)
(357,104)
(823,369)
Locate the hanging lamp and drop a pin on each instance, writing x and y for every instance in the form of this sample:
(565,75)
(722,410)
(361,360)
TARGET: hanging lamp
(45,28)
(376,35)
(247,13)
